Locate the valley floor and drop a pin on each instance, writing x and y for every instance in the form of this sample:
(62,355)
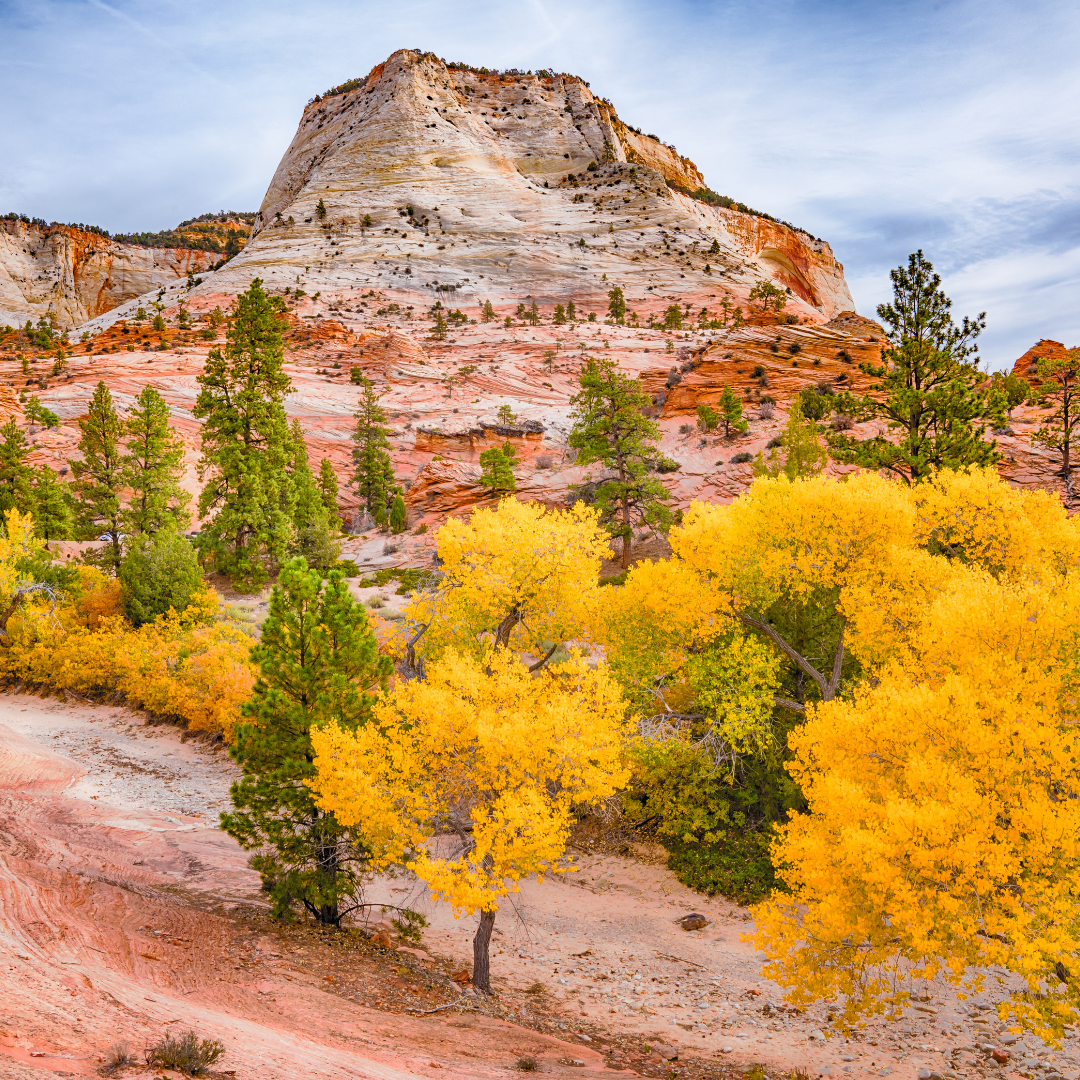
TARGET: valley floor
(126,912)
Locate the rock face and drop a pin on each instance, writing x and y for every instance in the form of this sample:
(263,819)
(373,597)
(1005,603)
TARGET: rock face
(76,274)
(467,186)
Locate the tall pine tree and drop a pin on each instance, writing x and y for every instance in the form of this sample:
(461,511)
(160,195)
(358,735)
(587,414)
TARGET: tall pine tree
(611,428)
(930,390)
(99,474)
(328,487)
(318,662)
(246,447)
(153,466)
(15,474)
(53,506)
(312,537)
(373,474)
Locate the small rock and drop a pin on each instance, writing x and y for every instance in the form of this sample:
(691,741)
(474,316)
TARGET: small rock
(667,1053)
(816,1035)
(1006,1038)
(693,921)
(584,1038)
(577,1063)
(924,1074)
(726,1049)
(462,976)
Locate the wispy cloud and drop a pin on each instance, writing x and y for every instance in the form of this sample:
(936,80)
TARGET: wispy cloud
(942,124)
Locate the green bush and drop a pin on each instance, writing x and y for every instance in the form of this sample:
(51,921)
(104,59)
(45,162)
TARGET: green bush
(742,458)
(186,1053)
(159,572)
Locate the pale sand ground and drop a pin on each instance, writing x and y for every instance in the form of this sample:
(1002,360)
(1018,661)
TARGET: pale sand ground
(110,828)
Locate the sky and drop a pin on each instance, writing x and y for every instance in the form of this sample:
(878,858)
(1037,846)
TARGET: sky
(882,126)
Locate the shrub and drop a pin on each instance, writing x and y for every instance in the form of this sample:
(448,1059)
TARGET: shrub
(544,461)
(117,1057)
(774,442)
(742,458)
(794,347)
(159,572)
(765,410)
(186,1053)
(758,371)
(192,667)
(685,429)
(527,1064)
(814,406)
(842,422)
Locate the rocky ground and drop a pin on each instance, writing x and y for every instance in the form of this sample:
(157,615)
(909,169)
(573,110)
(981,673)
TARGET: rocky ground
(125,913)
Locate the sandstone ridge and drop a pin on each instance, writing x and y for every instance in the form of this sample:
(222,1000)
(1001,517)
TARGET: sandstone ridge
(74,274)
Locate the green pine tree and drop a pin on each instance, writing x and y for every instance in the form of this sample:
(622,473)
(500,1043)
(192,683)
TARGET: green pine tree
(153,467)
(707,417)
(611,428)
(617,304)
(399,521)
(731,412)
(804,454)
(373,473)
(930,391)
(560,315)
(15,474)
(571,311)
(438,331)
(312,538)
(320,210)
(245,442)
(99,474)
(498,468)
(487,312)
(318,662)
(53,506)
(1058,429)
(328,488)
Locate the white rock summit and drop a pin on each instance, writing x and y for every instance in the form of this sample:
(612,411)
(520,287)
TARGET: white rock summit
(445,180)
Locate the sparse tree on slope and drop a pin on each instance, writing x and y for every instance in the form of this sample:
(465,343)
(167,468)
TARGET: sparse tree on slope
(245,442)
(152,468)
(99,473)
(15,474)
(930,390)
(373,473)
(611,428)
(1057,430)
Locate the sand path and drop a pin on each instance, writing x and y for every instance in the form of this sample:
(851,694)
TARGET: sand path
(116,888)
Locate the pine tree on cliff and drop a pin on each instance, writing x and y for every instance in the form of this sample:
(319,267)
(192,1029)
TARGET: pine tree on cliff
(929,388)
(245,443)
(15,474)
(99,475)
(373,473)
(152,468)
(611,428)
(498,468)
(318,662)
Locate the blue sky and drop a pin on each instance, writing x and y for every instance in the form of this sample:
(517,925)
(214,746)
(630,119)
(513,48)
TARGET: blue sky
(881,126)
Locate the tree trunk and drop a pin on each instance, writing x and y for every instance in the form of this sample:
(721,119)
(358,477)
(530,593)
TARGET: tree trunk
(481,971)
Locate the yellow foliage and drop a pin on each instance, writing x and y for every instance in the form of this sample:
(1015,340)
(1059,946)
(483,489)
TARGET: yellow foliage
(483,751)
(192,666)
(18,543)
(519,575)
(944,830)
(977,518)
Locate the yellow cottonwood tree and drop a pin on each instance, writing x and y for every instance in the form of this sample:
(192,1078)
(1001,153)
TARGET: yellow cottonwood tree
(518,576)
(468,777)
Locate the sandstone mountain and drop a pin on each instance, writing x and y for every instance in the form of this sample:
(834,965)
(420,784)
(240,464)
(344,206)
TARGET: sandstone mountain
(503,187)
(73,274)
(445,188)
